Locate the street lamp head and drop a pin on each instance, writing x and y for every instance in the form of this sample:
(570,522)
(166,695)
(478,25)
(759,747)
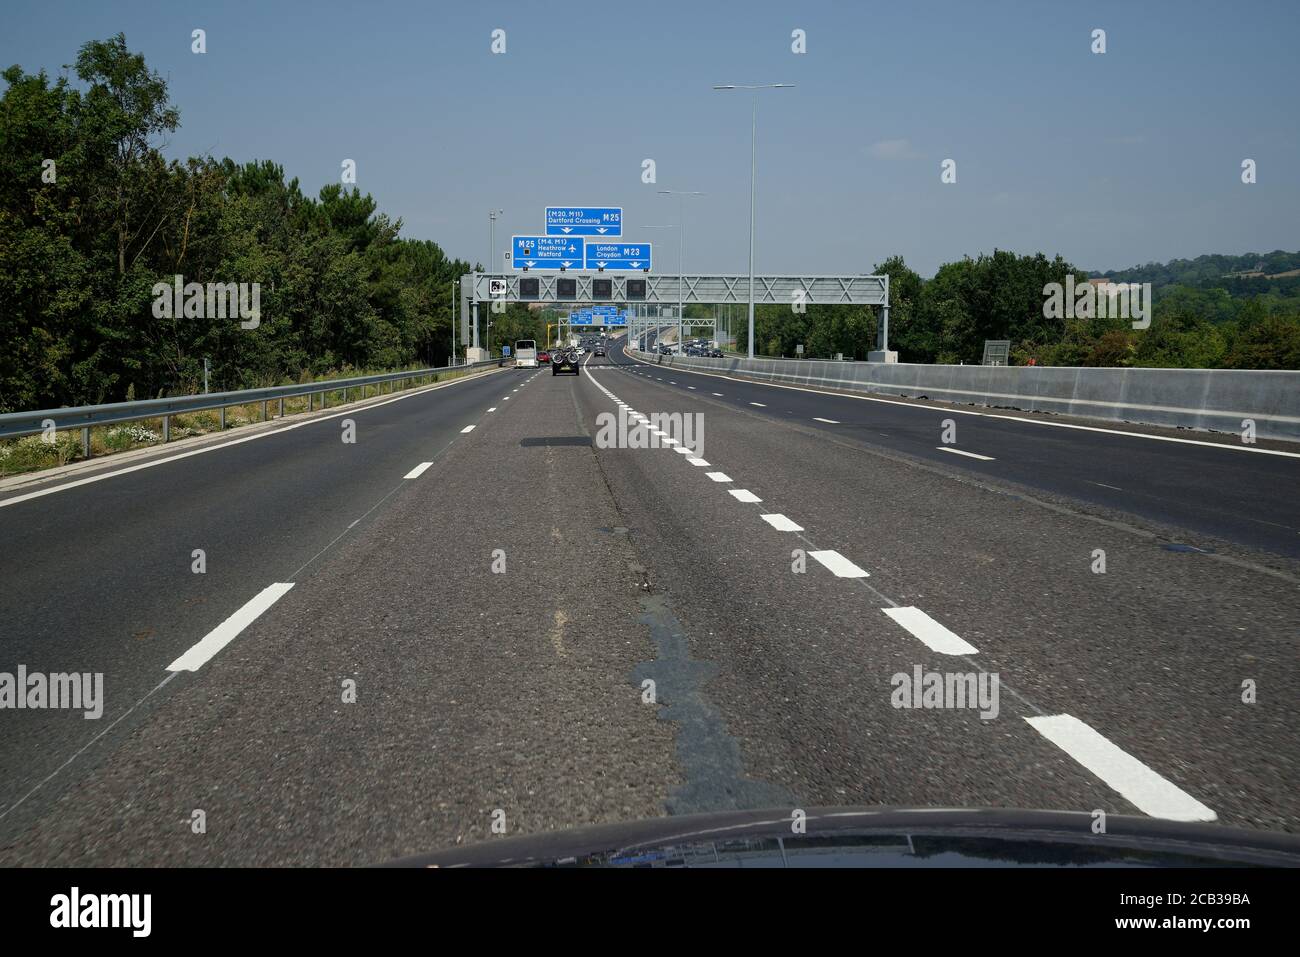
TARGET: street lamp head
(756,86)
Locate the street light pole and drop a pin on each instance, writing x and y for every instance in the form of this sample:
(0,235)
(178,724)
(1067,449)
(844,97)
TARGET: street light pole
(680,240)
(753,180)
(681,249)
(492,241)
(492,252)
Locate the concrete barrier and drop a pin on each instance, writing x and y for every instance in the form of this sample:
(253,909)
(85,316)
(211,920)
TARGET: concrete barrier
(1209,399)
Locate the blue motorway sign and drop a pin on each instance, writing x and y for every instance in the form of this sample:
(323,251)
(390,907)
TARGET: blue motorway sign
(545,252)
(618,255)
(598,316)
(584,220)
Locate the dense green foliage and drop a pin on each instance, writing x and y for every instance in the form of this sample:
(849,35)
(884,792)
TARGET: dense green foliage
(1206,270)
(83,242)
(1201,318)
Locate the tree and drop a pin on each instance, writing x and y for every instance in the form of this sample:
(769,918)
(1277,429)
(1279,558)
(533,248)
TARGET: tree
(124,109)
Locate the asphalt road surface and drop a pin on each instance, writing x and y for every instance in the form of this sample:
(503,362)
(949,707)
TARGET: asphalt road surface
(477,619)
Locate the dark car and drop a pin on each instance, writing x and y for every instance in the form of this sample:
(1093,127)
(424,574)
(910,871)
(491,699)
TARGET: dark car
(565,362)
(600,351)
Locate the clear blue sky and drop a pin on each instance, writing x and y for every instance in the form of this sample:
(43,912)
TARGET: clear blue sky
(1111,160)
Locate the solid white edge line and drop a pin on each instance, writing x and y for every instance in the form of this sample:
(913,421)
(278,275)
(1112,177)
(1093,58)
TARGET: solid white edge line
(932,634)
(969,455)
(781,523)
(1142,787)
(76,483)
(836,563)
(226,632)
(417,471)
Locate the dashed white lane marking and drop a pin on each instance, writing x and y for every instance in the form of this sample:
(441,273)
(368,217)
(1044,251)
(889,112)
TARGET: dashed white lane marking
(970,455)
(718,394)
(1229,446)
(781,523)
(417,471)
(932,634)
(1104,485)
(683,450)
(818,418)
(698,462)
(1138,784)
(744,495)
(493,409)
(468,428)
(228,630)
(126,470)
(505,398)
(759,404)
(838,564)
(668,442)
(691,387)
(719,476)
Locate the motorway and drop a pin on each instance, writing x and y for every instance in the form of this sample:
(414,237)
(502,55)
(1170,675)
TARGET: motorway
(455,621)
